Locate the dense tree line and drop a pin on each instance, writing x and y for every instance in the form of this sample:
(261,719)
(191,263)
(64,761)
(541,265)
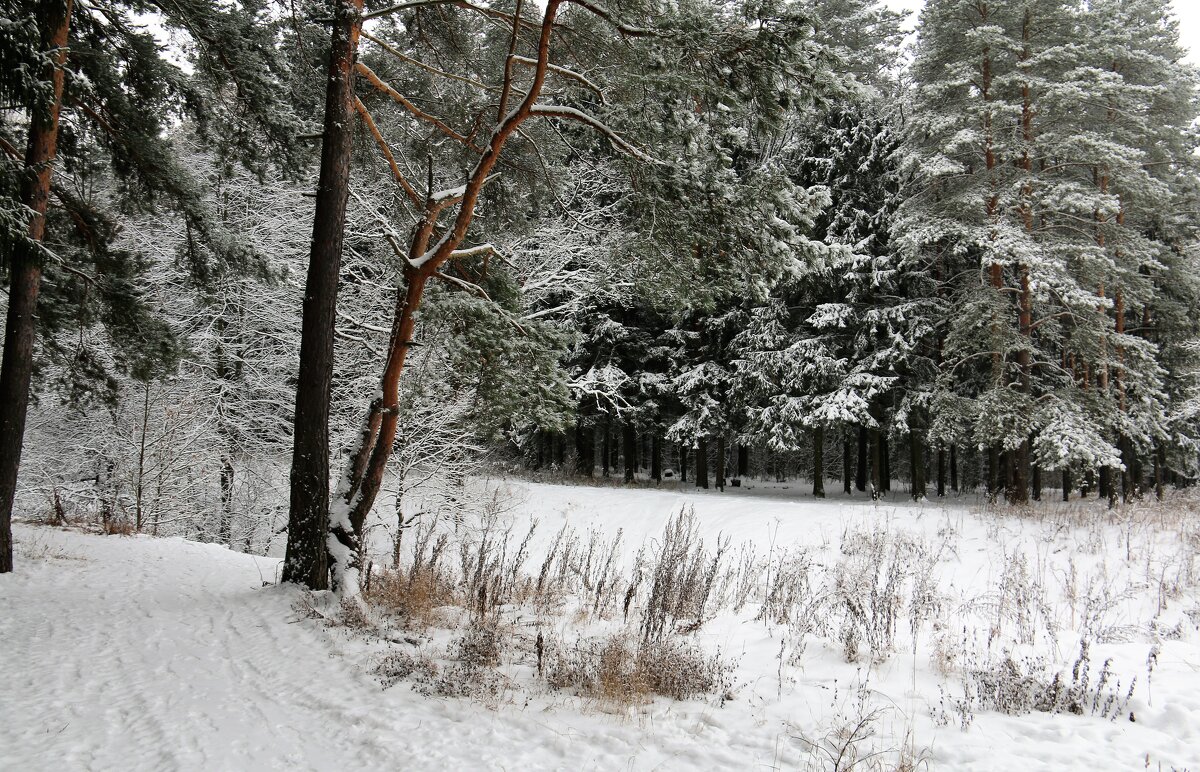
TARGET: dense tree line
(692,239)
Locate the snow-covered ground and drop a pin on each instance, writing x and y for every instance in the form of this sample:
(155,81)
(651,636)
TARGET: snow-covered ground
(140,653)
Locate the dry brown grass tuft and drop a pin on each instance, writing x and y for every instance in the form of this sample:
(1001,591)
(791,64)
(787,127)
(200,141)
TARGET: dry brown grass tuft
(621,670)
(414,596)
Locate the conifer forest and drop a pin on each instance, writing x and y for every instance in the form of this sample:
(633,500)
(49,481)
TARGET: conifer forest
(643,384)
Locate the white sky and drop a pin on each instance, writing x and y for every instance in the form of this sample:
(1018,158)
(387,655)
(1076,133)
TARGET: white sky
(1187,11)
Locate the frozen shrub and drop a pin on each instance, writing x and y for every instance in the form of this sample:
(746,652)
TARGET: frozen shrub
(412,595)
(401,665)
(868,585)
(682,575)
(1018,687)
(621,670)
(480,645)
(465,681)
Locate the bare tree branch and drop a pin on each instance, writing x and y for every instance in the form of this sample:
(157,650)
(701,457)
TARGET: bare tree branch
(566,73)
(417,112)
(387,152)
(559,111)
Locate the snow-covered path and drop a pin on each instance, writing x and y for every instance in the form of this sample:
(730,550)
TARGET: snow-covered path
(140,653)
(164,654)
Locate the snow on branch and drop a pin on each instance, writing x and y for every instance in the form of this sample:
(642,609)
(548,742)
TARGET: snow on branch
(427,67)
(409,190)
(417,112)
(560,111)
(625,29)
(566,73)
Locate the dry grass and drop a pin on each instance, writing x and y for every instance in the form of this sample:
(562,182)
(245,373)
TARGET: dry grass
(620,671)
(414,596)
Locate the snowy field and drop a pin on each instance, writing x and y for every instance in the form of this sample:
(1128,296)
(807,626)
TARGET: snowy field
(852,636)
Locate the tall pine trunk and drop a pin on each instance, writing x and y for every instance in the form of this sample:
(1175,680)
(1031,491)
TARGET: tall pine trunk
(885,463)
(585,449)
(860,477)
(917,462)
(876,464)
(25,265)
(702,463)
(941,471)
(846,470)
(819,462)
(954,468)
(656,465)
(307,559)
(721,462)
(629,451)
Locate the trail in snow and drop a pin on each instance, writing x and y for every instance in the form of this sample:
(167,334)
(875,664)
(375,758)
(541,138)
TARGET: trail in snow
(139,653)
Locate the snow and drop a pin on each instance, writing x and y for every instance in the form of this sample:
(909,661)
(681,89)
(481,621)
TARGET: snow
(141,653)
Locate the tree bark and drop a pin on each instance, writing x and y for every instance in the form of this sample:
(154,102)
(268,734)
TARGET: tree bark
(846,465)
(1066,485)
(1159,462)
(860,478)
(629,450)
(606,449)
(876,464)
(25,265)
(307,561)
(993,472)
(941,471)
(819,462)
(954,468)
(885,463)
(743,461)
(721,462)
(683,463)
(656,458)
(917,462)
(585,450)
(702,463)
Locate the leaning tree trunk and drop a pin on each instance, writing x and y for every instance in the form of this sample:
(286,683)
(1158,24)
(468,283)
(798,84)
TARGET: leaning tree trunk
(306,560)
(358,489)
(25,266)
(819,462)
